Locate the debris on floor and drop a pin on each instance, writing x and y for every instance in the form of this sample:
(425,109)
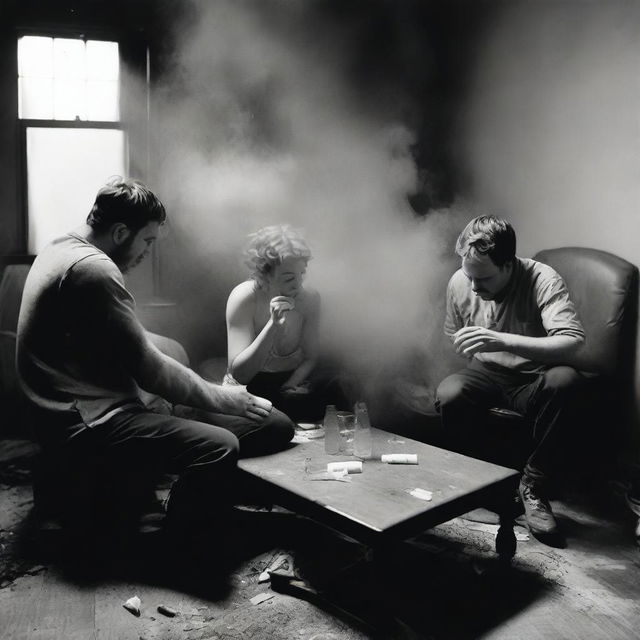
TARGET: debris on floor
(133,605)
(261,597)
(520,533)
(167,611)
(282,561)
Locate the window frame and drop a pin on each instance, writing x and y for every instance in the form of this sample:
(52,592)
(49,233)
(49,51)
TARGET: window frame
(25,123)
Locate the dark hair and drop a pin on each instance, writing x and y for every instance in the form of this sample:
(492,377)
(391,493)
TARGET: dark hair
(127,201)
(488,235)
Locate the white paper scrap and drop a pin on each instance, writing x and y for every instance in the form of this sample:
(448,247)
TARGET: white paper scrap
(422,494)
(521,535)
(341,476)
(482,526)
(133,605)
(301,437)
(261,597)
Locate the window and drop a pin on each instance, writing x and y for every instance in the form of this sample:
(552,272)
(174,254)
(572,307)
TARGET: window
(65,79)
(68,103)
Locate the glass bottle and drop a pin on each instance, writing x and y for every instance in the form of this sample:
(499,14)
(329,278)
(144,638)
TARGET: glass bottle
(331,431)
(363,438)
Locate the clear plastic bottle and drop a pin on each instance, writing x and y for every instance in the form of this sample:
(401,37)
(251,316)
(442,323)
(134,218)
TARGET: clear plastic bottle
(363,438)
(331,431)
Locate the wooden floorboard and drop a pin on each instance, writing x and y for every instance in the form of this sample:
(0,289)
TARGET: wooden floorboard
(589,590)
(46,607)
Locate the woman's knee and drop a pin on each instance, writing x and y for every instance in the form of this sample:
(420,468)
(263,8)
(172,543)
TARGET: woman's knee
(279,426)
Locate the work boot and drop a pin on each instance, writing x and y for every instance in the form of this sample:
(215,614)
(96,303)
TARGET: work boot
(537,510)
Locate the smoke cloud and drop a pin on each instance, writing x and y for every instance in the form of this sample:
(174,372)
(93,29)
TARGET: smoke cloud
(260,124)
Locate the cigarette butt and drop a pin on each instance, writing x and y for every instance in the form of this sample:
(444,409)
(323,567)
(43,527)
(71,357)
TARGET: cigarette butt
(399,458)
(166,611)
(133,605)
(350,466)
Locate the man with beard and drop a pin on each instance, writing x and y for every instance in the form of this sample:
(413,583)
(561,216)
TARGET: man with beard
(83,358)
(514,321)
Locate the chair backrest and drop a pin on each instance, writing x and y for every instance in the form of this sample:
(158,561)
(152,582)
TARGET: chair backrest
(11,285)
(604,289)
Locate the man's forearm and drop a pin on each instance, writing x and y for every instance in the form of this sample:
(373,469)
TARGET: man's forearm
(160,374)
(547,349)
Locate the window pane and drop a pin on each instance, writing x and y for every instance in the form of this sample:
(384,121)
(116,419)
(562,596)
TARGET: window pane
(69,100)
(35,57)
(102,101)
(65,169)
(68,59)
(35,98)
(102,60)
(70,62)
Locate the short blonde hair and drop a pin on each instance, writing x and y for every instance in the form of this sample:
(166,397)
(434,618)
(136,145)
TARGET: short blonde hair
(269,246)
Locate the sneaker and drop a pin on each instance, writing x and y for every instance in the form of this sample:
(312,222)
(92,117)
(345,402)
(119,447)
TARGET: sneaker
(537,510)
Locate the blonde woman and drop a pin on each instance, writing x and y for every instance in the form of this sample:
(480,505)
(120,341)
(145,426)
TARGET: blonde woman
(272,322)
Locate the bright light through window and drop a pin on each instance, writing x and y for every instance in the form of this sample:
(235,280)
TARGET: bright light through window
(65,168)
(68,79)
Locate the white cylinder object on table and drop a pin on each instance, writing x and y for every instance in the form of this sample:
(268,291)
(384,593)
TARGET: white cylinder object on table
(399,458)
(350,466)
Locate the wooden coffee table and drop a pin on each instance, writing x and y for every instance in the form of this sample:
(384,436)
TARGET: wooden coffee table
(379,505)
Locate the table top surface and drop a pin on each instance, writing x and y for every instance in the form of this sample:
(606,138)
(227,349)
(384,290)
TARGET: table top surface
(380,499)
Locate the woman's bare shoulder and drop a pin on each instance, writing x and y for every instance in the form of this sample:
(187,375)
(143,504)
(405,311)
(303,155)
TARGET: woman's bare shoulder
(242,294)
(244,289)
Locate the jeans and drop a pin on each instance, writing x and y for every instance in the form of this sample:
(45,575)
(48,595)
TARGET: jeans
(137,446)
(272,434)
(546,399)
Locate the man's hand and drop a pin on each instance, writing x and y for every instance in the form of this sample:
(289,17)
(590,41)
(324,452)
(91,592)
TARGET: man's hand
(237,401)
(279,307)
(470,340)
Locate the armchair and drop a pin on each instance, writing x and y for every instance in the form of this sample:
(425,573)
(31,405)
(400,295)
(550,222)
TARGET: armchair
(604,289)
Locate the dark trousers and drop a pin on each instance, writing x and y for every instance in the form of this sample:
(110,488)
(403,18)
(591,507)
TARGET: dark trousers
(300,407)
(136,447)
(545,399)
(272,434)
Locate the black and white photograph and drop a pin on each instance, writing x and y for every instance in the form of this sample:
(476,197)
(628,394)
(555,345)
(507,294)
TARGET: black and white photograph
(319,319)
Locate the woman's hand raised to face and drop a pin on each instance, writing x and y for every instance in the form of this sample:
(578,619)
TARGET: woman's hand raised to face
(279,307)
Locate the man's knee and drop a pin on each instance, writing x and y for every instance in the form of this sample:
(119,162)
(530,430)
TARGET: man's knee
(209,444)
(450,391)
(562,379)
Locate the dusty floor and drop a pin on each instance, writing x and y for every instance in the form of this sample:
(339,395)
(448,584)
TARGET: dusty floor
(443,584)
